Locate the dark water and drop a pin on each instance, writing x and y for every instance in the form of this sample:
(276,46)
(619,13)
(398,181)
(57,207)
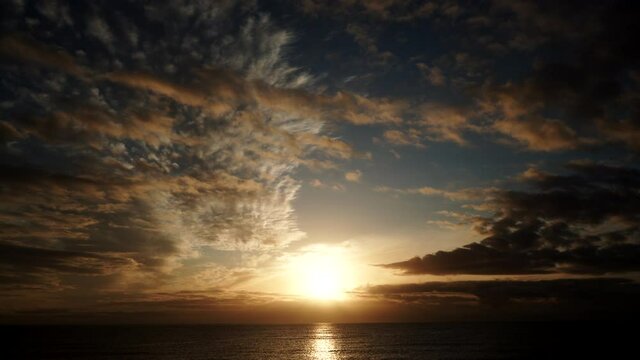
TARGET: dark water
(323,341)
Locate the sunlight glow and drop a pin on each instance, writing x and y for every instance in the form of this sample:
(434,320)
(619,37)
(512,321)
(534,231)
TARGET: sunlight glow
(321,273)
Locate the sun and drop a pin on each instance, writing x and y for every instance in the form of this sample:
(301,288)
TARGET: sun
(323,278)
(321,274)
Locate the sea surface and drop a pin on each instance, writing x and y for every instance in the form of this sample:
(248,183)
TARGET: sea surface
(324,341)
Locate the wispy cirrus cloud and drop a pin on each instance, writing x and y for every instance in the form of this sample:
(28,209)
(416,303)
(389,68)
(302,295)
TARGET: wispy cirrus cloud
(148,164)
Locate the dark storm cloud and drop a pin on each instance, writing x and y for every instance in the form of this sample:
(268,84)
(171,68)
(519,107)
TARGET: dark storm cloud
(584,222)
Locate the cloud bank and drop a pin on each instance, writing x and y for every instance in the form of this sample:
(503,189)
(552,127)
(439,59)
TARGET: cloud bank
(583,222)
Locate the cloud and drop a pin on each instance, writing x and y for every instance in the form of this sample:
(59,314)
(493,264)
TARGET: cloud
(334,147)
(318,184)
(624,131)
(554,104)
(469,194)
(353,176)
(585,222)
(363,36)
(517,110)
(444,224)
(182,94)
(218,91)
(598,294)
(22,261)
(544,22)
(120,170)
(56,11)
(562,103)
(92,124)
(99,29)
(379,10)
(575,299)
(445,122)
(150,159)
(435,121)
(23,48)
(409,137)
(433,74)
(540,134)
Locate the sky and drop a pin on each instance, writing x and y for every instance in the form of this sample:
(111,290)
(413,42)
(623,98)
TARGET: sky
(300,161)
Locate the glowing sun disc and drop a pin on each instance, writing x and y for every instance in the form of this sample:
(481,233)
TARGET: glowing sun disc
(320,275)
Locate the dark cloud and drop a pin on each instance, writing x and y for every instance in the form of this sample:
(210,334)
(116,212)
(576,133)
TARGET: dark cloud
(580,91)
(571,296)
(433,74)
(576,299)
(583,222)
(23,259)
(22,47)
(382,10)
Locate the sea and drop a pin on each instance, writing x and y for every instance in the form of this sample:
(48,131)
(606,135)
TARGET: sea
(325,341)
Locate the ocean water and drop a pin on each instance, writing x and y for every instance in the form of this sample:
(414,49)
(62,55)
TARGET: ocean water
(324,341)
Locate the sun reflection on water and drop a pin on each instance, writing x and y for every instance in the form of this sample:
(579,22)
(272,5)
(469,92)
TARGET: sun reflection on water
(324,347)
